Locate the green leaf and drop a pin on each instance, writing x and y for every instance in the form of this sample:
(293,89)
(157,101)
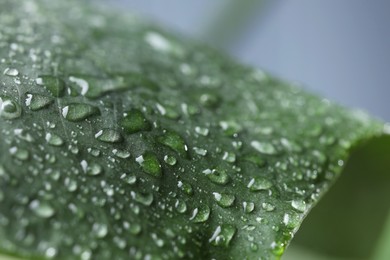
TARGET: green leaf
(120,140)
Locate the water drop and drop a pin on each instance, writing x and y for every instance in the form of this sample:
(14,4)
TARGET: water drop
(248,206)
(267,206)
(258,184)
(144,199)
(82,83)
(11,72)
(200,151)
(202,130)
(134,122)
(41,209)
(36,101)
(109,136)
(174,141)
(76,112)
(171,160)
(264,147)
(9,109)
(223,199)
(53,139)
(200,214)
(223,235)
(150,164)
(99,230)
(181,206)
(299,205)
(229,157)
(217,176)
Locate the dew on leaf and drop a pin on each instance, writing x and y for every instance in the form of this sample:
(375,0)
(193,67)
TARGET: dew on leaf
(150,164)
(264,147)
(223,199)
(41,209)
(76,112)
(109,136)
(229,157)
(36,101)
(217,176)
(100,230)
(55,85)
(299,205)
(174,141)
(9,109)
(223,235)
(200,151)
(144,199)
(19,153)
(180,206)
(258,184)
(200,214)
(248,206)
(171,160)
(267,206)
(11,72)
(135,121)
(202,130)
(53,139)
(82,83)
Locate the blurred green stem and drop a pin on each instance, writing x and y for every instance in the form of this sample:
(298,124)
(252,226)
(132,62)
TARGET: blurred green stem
(229,22)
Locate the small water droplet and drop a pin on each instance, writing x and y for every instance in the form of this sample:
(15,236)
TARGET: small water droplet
(264,147)
(248,206)
(223,199)
(267,206)
(171,160)
(144,199)
(181,206)
(53,139)
(223,235)
(202,130)
(100,230)
(229,157)
(217,176)
(41,209)
(299,205)
(150,164)
(200,151)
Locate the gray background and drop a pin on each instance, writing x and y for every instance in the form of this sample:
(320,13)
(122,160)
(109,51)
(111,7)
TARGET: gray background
(337,48)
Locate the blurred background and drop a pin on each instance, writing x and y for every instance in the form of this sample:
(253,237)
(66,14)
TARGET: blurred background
(338,49)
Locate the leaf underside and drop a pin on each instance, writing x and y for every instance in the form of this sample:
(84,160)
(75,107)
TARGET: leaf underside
(121,140)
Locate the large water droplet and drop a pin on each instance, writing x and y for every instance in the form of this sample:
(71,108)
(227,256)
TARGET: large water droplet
(299,205)
(223,199)
(257,184)
(223,235)
(108,136)
(79,111)
(36,101)
(9,109)
(135,121)
(217,176)
(174,141)
(150,164)
(200,214)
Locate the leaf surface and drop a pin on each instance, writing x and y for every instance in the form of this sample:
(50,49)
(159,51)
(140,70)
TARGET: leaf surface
(121,140)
